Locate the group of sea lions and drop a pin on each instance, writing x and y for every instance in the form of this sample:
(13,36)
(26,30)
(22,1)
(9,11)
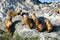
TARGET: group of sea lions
(40,25)
(28,21)
(9,19)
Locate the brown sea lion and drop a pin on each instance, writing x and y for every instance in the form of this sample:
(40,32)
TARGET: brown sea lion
(28,21)
(8,24)
(14,13)
(58,10)
(38,24)
(49,25)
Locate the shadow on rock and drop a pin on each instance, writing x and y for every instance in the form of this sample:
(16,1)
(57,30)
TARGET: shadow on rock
(13,26)
(56,28)
(42,20)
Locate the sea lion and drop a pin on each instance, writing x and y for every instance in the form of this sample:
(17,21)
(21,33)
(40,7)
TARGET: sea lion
(14,13)
(58,10)
(8,24)
(27,20)
(37,22)
(49,25)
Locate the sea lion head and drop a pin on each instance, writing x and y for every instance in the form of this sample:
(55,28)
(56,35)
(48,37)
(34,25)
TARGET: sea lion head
(19,11)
